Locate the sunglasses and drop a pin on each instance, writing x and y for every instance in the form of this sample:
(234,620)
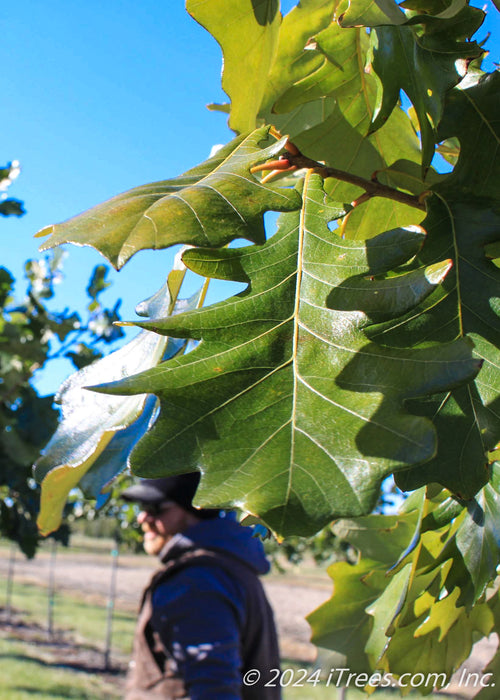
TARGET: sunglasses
(155,509)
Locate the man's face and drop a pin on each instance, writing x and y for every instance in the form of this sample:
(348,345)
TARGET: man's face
(160,524)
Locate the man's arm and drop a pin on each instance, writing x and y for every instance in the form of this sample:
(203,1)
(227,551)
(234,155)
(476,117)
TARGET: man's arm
(198,614)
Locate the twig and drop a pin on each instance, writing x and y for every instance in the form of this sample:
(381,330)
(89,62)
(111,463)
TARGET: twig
(372,188)
(294,160)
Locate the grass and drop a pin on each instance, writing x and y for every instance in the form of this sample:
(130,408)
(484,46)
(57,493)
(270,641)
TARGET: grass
(25,675)
(84,620)
(29,669)
(25,672)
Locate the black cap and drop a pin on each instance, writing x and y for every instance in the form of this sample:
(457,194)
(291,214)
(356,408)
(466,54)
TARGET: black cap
(180,489)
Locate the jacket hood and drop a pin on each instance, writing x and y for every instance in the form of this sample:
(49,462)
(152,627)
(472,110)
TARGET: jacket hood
(220,535)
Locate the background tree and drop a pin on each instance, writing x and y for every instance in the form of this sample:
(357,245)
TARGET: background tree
(366,341)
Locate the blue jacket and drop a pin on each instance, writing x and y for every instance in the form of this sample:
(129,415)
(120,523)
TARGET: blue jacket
(209,617)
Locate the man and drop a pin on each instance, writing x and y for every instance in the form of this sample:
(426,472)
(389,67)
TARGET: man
(205,621)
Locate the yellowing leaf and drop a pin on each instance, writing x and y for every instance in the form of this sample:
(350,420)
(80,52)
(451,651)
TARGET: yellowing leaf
(248,28)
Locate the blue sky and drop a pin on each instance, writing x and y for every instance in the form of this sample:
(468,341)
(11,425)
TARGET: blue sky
(99,97)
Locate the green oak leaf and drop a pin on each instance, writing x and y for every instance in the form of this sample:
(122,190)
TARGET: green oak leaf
(430,13)
(212,204)
(380,537)
(341,94)
(442,616)
(242,27)
(463,223)
(409,618)
(302,118)
(386,540)
(471,115)
(287,359)
(384,611)
(449,149)
(432,654)
(88,424)
(348,146)
(468,419)
(255,83)
(438,8)
(328,111)
(341,624)
(338,100)
(371,14)
(478,537)
(407,176)
(376,215)
(425,68)
(292,62)
(338,72)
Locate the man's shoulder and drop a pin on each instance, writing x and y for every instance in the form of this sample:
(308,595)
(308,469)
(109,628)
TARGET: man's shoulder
(210,560)
(204,576)
(209,571)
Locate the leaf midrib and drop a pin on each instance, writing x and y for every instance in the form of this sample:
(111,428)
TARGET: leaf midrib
(456,262)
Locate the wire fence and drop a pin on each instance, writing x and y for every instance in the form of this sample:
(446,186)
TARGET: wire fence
(50,585)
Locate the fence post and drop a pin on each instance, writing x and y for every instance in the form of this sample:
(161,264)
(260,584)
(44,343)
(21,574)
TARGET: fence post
(51,591)
(111,606)
(10,580)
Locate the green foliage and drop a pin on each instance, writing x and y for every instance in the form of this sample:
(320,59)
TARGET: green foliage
(11,207)
(421,612)
(463,218)
(258,25)
(432,48)
(366,341)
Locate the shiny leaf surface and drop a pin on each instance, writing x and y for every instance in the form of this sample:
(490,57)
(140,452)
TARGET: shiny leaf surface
(249,405)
